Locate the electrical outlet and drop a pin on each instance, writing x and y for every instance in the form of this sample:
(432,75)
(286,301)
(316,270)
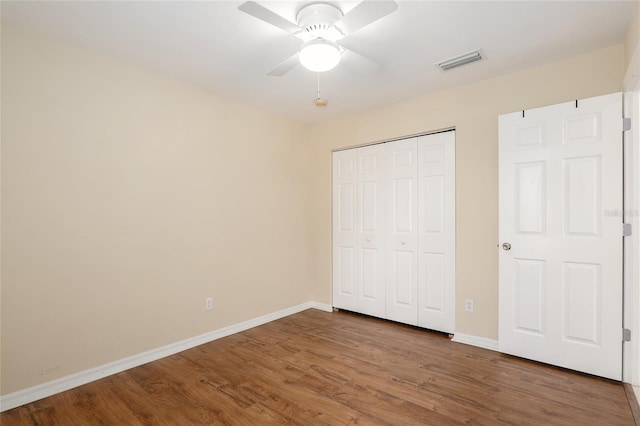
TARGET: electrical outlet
(468,305)
(208,304)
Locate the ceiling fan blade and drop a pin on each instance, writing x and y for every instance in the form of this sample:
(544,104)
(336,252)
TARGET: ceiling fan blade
(285,66)
(364,14)
(266,15)
(358,62)
(356,46)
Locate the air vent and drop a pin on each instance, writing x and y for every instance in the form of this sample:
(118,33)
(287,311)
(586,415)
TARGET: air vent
(460,60)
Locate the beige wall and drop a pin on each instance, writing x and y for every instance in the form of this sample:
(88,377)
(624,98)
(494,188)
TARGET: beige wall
(127,198)
(632,37)
(632,53)
(473,110)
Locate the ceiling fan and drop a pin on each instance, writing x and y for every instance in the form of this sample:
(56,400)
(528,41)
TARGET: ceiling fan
(321,27)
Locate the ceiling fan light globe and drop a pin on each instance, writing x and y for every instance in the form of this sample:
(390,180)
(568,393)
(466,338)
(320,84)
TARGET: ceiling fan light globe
(319,55)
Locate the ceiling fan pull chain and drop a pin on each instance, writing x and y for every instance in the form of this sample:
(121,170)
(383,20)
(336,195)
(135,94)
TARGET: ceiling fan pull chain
(319,102)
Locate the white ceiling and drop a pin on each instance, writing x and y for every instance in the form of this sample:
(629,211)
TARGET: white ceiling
(214,45)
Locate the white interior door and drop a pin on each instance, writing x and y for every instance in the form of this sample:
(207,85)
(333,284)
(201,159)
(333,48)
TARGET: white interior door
(436,231)
(561,279)
(402,225)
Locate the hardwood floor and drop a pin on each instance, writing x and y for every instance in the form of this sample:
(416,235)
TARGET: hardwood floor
(337,368)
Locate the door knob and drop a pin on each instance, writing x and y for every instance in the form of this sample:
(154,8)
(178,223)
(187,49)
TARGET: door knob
(368,239)
(506,246)
(403,242)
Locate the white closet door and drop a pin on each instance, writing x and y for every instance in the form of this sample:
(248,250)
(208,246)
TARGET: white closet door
(402,224)
(344,229)
(358,230)
(394,231)
(436,231)
(370,278)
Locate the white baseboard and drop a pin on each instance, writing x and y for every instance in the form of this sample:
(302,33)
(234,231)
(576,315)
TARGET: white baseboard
(62,384)
(481,342)
(320,306)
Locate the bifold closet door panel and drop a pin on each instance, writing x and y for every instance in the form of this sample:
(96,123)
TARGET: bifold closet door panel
(344,229)
(436,231)
(358,224)
(402,241)
(370,257)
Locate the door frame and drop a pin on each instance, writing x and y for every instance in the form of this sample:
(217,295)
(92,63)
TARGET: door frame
(631,277)
(631,253)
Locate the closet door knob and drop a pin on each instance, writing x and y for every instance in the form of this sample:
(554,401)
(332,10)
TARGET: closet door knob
(403,242)
(368,239)
(506,246)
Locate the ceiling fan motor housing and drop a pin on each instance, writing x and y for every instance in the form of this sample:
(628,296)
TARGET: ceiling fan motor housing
(318,19)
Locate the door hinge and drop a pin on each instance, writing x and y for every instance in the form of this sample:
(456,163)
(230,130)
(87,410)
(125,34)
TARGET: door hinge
(626,230)
(626,335)
(626,124)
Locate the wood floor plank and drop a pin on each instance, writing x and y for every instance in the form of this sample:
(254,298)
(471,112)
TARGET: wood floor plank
(633,402)
(318,368)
